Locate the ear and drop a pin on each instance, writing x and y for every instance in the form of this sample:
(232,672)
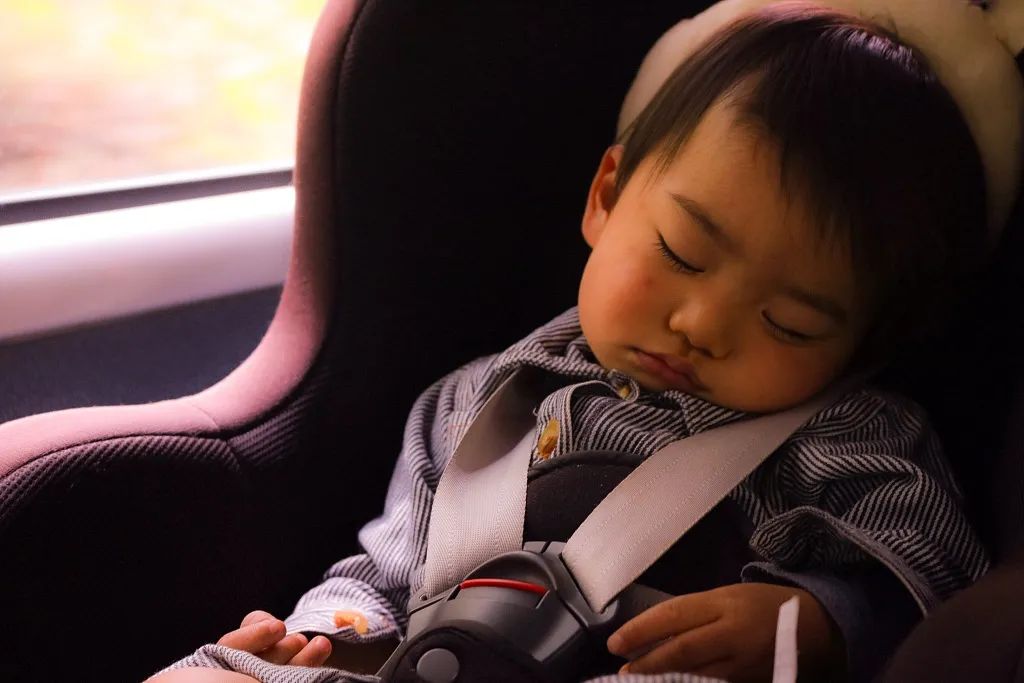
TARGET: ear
(602,195)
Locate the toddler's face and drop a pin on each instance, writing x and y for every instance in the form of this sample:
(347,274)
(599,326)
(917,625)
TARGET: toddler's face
(771,317)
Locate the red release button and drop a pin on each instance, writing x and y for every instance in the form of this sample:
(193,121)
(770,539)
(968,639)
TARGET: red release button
(504,583)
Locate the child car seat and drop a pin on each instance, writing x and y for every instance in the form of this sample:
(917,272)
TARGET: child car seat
(443,156)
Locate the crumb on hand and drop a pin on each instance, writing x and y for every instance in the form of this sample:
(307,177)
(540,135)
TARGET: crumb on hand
(357,620)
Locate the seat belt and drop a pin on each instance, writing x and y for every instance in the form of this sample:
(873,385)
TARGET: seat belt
(669,492)
(480,502)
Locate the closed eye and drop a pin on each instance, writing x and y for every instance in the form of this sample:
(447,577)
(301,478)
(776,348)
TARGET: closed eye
(784,333)
(677,264)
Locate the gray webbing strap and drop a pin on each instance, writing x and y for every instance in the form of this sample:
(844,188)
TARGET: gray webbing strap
(668,493)
(480,502)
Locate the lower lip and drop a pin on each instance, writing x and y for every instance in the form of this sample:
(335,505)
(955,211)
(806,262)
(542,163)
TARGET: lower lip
(675,380)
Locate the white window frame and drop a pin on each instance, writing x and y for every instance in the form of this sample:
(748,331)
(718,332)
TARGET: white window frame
(83,255)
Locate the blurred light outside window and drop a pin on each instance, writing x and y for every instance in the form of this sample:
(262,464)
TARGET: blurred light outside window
(104,90)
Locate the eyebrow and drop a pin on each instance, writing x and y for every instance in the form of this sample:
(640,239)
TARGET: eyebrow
(819,303)
(712,229)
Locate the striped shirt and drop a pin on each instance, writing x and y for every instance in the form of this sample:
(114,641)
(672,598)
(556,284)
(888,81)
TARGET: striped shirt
(864,478)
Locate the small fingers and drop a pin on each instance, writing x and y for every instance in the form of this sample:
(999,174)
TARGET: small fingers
(286,648)
(256,616)
(686,652)
(313,654)
(665,620)
(255,637)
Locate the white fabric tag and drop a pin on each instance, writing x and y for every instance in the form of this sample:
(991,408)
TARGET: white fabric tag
(785,642)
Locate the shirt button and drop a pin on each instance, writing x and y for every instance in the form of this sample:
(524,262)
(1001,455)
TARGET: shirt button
(548,440)
(624,385)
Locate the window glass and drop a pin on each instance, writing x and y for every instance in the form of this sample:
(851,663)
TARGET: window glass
(98,90)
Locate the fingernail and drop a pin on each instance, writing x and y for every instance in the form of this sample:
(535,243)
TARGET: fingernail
(615,643)
(624,669)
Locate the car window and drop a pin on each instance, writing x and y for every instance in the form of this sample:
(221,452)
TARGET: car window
(101,90)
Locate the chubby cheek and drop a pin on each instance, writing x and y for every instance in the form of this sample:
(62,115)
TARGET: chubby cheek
(615,298)
(779,377)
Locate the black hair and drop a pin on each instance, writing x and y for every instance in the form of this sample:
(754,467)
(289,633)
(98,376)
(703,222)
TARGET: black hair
(868,139)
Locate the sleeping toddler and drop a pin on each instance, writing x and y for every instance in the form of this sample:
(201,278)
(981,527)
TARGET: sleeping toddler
(796,203)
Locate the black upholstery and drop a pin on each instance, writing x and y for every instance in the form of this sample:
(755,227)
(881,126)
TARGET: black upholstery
(971,380)
(466,136)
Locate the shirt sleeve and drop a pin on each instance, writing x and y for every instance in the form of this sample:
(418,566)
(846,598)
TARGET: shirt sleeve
(870,607)
(866,482)
(377,583)
(226,658)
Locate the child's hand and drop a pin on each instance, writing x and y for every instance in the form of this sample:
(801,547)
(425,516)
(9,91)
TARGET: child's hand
(264,636)
(729,632)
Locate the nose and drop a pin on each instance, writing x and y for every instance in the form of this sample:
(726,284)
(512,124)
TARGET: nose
(701,325)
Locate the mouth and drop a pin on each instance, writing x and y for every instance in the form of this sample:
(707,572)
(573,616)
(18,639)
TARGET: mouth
(672,370)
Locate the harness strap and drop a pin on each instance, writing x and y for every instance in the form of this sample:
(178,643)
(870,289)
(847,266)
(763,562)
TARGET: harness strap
(480,502)
(668,493)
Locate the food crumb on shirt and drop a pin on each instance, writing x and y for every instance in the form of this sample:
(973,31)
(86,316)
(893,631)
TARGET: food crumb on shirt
(356,620)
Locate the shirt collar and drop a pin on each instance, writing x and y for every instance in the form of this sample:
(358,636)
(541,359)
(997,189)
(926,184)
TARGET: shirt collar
(559,347)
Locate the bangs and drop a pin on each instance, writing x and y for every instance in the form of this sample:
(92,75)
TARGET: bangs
(869,143)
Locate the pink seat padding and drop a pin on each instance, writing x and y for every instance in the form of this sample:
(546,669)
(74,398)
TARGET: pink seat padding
(286,352)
